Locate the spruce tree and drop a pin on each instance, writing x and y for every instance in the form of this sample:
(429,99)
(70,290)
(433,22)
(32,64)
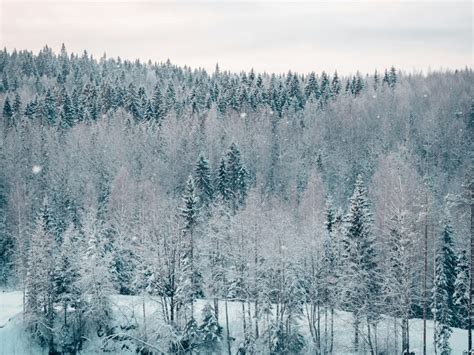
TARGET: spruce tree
(17,104)
(392,77)
(443,288)
(157,103)
(362,272)
(40,312)
(190,278)
(461,290)
(335,85)
(203,182)
(49,106)
(312,87)
(68,294)
(132,103)
(210,331)
(7,110)
(67,113)
(222,181)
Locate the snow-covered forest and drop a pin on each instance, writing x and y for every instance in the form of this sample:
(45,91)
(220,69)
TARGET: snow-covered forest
(241,212)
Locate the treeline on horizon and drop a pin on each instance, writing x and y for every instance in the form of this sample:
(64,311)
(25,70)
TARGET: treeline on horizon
(296,195)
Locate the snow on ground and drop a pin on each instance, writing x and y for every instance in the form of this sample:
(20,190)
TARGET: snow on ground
(13,340)
(11,303)
(128,310)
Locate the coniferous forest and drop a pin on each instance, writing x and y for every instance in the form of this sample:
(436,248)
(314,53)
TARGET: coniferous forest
(276,202)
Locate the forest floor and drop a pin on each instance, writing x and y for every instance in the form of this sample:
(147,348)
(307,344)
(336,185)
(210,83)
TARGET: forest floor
(128,310)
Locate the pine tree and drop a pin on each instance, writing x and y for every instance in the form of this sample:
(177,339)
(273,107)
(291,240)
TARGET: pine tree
(7,111)
(40,313)
(386,78)
(157,104)
(132,103)
(312,87)
(376,80)
(190,278)
(49,106)
(362,273)
(325,88)
(67,292)
(202,180)
(17,104)
(95,279)
(170,99)
(335,85)
(222,181)
(67,113)
(443,288)
(148,113)
(210,331)
(461,290)
(236,176)
(392,77)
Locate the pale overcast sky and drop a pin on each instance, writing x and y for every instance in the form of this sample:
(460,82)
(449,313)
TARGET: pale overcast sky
(272,36)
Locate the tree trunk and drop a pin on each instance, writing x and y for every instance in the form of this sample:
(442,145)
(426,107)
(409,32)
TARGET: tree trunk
(425,277)
(369,339)
(318,330)
(356,334)
(256,319)
(244,324)
(331,343)
(325,330)
(144,318)
(227,327)
(471,286)
(407,322)
(216,308)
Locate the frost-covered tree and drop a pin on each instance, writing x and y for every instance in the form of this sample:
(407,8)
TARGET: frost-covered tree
(190,287)
(443,288)
(361,268)
(40,314)
(210,331)
(203,183)
(461,290)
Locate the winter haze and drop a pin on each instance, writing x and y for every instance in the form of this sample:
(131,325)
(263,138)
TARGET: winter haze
(240,35)
(312,193)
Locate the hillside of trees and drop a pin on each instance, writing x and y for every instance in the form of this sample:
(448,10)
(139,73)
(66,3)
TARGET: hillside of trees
(296,195)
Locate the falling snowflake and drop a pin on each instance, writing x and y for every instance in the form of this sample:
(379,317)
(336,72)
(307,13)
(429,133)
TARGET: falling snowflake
(36,169)
(243,115)
(425,95)
(375,96)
